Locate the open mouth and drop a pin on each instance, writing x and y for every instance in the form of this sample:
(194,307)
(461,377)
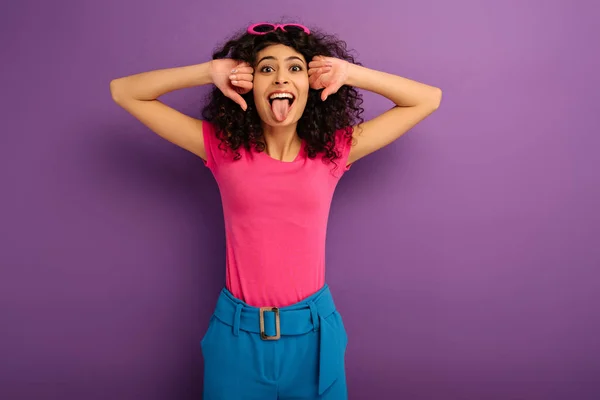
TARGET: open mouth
(281,104)
(282,96)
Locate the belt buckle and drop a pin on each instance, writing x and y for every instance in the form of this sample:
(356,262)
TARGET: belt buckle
(263,335)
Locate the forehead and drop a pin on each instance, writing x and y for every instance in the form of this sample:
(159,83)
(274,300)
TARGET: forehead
(279,52)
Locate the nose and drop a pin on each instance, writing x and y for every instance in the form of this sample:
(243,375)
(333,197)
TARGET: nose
(281,78)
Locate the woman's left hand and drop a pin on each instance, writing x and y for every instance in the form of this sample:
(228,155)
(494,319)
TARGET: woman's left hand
(328,73)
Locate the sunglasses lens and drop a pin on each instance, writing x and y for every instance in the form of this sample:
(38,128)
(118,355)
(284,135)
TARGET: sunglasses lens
(263,28)
(293,29)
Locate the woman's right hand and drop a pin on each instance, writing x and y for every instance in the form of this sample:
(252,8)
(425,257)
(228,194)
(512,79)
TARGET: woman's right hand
(233,78)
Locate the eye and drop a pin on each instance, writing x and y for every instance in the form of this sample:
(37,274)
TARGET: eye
(296,68)
(266,69)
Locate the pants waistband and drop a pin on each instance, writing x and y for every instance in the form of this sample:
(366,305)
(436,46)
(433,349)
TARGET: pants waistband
(297,319)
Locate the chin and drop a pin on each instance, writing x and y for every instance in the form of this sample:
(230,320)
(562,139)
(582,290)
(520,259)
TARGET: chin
(287,122)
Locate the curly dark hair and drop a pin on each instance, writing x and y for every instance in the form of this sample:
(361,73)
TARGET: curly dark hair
(320,120)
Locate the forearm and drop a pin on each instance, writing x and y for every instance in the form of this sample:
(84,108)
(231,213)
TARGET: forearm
(152,84)
(402,91)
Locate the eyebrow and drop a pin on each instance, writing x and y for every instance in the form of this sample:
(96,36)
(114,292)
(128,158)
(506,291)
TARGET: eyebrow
(273,58)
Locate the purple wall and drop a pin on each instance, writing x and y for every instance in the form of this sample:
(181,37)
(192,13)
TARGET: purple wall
(465,256)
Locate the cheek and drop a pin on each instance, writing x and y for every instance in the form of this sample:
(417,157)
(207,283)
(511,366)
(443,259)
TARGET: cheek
(259,86)
(303,83)
(256,96)
(256,90)
(259,98)
(303,88)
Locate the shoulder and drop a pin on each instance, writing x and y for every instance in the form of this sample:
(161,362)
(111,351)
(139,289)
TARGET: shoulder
(341,146)
(217,147)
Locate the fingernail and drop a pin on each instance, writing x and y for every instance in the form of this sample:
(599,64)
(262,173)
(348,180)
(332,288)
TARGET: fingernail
(234,82)
(232,77)
(233,71)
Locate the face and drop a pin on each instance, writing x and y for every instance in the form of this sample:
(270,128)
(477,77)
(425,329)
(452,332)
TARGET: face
(280,85)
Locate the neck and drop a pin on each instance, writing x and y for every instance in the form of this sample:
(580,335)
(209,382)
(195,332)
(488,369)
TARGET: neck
(282,142)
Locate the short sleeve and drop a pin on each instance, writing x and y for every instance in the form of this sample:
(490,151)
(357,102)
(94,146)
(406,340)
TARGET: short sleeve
(210,144)
(343,144)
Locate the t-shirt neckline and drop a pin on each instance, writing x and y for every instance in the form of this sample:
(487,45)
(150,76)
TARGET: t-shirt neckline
(296,159)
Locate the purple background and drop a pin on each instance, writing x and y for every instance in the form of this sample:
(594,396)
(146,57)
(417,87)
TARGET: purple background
(464,257)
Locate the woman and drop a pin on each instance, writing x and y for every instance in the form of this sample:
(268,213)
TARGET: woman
(282,126)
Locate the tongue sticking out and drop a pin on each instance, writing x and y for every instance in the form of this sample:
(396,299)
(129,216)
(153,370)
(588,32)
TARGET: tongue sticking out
(281,108)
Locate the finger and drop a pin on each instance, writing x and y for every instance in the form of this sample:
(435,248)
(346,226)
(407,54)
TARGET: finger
(313,80)
(314,74)
(318,64)
(243,70)
(242,84)
(318,73)
(327,91)
(243,65)
(322,70)
(241,77)
(240,90)
(322,60)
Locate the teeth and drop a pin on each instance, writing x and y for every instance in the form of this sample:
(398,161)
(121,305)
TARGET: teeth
(281,96)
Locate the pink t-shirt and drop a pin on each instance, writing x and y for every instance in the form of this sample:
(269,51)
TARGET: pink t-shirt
(276,216)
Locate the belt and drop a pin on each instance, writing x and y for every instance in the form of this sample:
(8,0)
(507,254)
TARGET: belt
(272,323)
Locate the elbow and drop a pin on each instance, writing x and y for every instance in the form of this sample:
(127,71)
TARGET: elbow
(113,90)
(436,98)
(431,99)
(116,90)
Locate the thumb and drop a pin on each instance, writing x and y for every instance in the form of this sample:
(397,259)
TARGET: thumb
(330,89)
(233,95)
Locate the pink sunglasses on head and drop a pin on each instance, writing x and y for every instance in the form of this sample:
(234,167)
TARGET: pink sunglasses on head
(264,27)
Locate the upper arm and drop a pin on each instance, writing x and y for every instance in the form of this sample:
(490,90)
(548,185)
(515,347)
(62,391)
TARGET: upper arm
(382,130)
(172,125)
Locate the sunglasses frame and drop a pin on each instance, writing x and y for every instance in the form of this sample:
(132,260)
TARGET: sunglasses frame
(251,29)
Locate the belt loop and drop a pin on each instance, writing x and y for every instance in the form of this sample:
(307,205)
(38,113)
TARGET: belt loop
(236,319)
(314,315)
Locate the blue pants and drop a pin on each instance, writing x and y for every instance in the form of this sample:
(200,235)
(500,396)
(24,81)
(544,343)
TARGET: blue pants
(296,352)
